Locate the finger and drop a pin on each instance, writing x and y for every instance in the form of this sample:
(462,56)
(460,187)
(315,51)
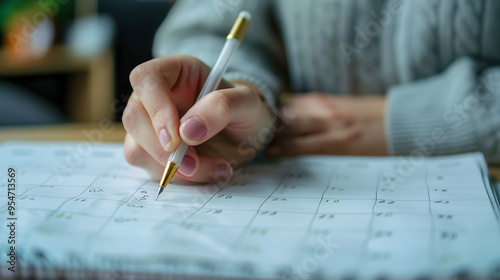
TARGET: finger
(302,125)
(167,87)
(138,125)
(201,169)
(306,120)
(154,81)
(153,90)
(234,108)
(135,155)
(299,145)
(332,142)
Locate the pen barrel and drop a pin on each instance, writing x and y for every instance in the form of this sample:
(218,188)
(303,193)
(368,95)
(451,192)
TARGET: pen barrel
(211,84)
(215,76)
(177,155)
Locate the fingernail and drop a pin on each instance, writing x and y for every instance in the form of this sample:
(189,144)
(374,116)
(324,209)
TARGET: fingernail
(274,150)
(194,128)
(188,166)
(222,173)
(164,138)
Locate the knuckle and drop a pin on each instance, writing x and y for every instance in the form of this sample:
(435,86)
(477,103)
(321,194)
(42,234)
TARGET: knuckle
(354,133)
(136,74)
(316,96)
(161,156)
(189,59)
(332,114)
(144,78)
(224,103)
(129,118)
(158,118)
(132,153)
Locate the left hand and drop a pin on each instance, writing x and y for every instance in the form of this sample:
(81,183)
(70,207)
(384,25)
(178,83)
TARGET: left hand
(328,124)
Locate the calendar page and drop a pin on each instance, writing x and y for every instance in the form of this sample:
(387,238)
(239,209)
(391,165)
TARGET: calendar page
(78,210)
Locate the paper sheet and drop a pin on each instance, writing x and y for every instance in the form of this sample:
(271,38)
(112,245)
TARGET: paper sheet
(82,210)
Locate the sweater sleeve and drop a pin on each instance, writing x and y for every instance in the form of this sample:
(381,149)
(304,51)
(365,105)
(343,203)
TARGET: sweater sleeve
(199,28)
(456,111)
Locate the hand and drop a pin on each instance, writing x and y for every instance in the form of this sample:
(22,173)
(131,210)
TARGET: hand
(159,114)
(328,124)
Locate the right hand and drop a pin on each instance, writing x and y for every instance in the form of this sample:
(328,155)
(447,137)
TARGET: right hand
(159,114)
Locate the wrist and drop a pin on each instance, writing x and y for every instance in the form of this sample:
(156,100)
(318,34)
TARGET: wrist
(265,124)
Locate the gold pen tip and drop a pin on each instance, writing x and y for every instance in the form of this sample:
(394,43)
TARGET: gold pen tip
(169,172)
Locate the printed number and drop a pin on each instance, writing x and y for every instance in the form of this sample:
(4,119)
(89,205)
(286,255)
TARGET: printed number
(258,231)
(445,235)
(326,216)
(64,216)
(125,220)
(194,227)
(218,211)
(135,206)
(384,214)
(445,217)
(441,202)
(383,233)
(383,201)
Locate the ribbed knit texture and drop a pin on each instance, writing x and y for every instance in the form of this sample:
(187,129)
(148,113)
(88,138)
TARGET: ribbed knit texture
(429,56)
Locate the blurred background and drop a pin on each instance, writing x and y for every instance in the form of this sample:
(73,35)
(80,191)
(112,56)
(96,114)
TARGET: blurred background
(69,60)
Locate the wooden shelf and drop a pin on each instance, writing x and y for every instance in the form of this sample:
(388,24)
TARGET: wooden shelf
(91,81)
(58,59)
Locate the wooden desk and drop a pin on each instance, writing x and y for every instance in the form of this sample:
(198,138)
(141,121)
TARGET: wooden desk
(104,131)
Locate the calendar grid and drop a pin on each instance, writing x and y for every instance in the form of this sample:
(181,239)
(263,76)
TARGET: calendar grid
(117,208)
(306,218)
(245,230)
(71,198)
(369,231)
(202,206)
(27,191)
(432,251)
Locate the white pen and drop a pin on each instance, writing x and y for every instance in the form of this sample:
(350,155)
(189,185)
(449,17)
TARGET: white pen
(233,40)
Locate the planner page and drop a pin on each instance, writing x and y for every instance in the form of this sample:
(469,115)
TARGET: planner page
(77,210)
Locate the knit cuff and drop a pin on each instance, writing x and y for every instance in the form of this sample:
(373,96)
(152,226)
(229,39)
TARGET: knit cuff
(430,117)
(267,92)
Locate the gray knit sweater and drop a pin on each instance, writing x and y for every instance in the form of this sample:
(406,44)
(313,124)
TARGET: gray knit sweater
(437,60)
